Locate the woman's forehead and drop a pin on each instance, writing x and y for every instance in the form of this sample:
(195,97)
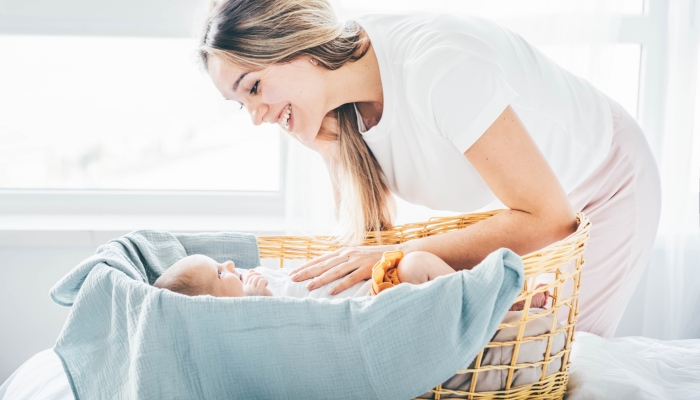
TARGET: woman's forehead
(221,69)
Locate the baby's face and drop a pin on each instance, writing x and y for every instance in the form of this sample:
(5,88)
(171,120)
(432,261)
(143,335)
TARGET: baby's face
(219,280)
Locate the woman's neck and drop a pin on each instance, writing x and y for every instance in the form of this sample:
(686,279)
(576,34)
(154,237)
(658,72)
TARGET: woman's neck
(360,82)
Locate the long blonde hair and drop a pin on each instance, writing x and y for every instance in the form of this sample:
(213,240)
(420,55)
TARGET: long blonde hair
(255,34)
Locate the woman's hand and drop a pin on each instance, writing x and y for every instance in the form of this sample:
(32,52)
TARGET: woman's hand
(352,264)
(254,284)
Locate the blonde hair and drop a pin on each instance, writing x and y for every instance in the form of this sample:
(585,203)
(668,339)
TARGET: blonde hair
(255,34)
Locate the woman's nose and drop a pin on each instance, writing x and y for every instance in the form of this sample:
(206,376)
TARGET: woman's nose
(257,113)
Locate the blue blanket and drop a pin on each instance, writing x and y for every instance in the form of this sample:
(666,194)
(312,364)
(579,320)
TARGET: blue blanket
(125,339)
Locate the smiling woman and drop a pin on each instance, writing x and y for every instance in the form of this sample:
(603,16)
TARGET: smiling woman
(450,112)
(305,79)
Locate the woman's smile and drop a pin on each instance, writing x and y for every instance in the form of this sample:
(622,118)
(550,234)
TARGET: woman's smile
(285,118)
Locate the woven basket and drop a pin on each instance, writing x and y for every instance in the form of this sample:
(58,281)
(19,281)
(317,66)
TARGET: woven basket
(562,259)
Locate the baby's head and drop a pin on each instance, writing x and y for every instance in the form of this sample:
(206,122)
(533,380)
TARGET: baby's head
(198,275)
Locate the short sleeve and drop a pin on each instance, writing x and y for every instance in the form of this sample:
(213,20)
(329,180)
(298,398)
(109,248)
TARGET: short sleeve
(465,92)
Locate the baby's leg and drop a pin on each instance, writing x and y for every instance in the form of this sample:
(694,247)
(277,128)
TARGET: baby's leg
(420,267)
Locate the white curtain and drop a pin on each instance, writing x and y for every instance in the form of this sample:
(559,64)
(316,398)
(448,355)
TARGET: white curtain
(666,304)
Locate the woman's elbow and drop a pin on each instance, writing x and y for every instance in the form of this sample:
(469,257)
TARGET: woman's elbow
(563,226)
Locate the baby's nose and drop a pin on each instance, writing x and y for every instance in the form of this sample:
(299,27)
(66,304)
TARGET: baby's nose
(230,266)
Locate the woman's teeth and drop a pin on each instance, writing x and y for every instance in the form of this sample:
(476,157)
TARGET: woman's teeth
(286,115)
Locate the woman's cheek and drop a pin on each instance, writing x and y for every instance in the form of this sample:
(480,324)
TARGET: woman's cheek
(306,128)
(274,94)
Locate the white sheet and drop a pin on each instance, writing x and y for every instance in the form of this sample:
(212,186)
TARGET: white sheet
(621,368)
(633,368)
(40,378)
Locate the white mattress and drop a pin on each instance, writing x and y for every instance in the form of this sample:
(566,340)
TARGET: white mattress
(633,368)
(621,368)
(40,378)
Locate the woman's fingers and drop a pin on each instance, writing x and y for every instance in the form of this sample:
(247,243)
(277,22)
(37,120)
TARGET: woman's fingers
(332,272)
(314,261)
(358,275)
(320,268)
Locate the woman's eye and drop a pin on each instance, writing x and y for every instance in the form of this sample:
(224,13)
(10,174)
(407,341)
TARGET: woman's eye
(254,89)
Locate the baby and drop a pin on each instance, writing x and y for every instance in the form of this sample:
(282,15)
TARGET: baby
(200,275)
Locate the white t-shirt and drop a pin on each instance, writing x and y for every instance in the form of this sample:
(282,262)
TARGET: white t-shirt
(445,81)
(280,284)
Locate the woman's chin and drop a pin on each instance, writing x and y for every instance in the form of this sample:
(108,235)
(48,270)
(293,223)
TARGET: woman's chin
(305,137)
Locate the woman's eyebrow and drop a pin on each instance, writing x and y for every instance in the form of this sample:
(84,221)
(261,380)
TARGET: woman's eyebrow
(238,81)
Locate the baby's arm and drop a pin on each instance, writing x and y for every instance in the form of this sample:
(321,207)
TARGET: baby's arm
(420,267)
(254,284)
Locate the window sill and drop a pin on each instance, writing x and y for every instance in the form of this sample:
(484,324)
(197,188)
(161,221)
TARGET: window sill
(96,229)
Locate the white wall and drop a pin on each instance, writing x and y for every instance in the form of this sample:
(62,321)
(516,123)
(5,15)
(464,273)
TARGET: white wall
(29,320)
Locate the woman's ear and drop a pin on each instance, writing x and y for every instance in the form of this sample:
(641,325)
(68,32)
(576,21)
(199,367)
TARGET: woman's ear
(313,61)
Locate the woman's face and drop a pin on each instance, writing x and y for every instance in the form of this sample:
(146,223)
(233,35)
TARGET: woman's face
(296,88)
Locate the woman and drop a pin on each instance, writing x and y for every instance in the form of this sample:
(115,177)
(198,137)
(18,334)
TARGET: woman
(451,113)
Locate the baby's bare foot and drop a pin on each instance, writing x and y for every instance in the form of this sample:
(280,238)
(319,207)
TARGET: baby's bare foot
(539,300)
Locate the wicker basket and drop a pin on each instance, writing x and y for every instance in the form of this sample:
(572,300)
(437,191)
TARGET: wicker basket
(562,259)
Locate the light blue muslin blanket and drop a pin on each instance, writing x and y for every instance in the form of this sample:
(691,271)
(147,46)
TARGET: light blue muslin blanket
(125,339)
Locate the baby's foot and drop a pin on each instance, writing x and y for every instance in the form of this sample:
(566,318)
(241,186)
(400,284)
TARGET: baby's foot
(539,300)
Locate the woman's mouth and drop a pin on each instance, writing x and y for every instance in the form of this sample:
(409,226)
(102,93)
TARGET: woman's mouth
(286,118)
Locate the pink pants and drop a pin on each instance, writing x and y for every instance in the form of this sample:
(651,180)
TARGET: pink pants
(622,198)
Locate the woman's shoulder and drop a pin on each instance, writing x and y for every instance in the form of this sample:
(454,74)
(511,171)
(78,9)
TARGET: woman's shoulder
(414,33)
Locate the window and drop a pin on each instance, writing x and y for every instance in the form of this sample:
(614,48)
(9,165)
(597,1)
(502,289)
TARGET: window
(124,113)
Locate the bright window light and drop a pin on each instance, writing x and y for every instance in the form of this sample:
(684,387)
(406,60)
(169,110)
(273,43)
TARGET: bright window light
(496,9)
(123,113)
(694,185)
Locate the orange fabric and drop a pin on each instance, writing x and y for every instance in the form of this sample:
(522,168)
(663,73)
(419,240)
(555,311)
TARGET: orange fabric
(384,273)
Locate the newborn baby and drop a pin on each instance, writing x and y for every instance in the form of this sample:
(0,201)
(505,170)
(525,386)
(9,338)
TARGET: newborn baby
(201,275)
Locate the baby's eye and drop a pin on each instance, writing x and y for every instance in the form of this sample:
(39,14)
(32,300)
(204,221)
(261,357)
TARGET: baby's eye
(219,272)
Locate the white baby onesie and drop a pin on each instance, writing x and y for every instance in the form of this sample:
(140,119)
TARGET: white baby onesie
(280,284)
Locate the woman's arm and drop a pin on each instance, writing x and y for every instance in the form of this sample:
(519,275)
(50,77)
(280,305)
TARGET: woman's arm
(515,170)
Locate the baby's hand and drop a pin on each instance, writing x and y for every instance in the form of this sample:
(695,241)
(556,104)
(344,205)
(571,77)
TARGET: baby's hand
(255,284)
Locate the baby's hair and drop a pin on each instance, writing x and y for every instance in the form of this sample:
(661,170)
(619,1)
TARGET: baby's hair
(183,283)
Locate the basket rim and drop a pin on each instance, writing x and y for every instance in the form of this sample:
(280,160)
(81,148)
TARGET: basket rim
(574,244)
